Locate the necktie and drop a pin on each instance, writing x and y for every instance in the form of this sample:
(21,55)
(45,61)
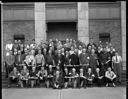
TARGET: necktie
(116,59)
(19,58)
(98,74)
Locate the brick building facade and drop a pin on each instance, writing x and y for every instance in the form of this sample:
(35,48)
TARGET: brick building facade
(81,21)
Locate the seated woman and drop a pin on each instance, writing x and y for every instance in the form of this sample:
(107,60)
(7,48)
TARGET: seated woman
(74,78)
(98,77)
(33,76)
(13,77)
(90,77)
(42,76)
(24,76)
(82,79)
(50,77)
(110,77)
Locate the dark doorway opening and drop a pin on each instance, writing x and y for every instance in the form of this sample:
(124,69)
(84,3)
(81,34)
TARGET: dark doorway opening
(61,30)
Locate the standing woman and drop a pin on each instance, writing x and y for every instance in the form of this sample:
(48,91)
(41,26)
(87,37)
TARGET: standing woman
(117,60)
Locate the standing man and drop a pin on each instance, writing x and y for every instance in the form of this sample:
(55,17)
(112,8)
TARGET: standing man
(117,60)
(39,60)
(9,60)
(93,61)
(19,60)
(59,60)
(84,59)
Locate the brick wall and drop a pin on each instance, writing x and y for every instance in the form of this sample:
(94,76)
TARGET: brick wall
(110,26)
(11,28)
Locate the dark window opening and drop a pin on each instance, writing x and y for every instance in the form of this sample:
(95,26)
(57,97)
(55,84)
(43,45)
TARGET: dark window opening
(104,37)
(19,37)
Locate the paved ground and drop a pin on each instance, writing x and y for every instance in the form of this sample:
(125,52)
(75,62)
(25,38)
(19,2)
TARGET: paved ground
(43,93)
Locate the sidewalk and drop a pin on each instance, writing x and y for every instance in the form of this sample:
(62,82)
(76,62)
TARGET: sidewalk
(43,93)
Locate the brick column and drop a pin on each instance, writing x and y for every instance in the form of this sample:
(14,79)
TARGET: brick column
(40,22)
(83,33)
(2,56)
(123,31)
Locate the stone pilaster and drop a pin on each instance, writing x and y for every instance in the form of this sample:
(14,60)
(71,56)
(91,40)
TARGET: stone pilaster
(40,22)
(2,56)
(83,34)
(123,32)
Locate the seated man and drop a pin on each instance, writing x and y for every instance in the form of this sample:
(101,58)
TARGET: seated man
(90,77)
(98,77)
(57,80)
(42,75)
(82,79)
(50,77)
(24,76)
(14,77)
(110,77)
(74,78)
(66,79)
(33,76)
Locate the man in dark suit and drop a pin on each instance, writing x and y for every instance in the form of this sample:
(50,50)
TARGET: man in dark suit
(98,77)
(91,43)
(103,59)
(49,82)
(19,60)
(59,60)
(90,77)
(84,59)
(13,77)
(74,58)
(82,78)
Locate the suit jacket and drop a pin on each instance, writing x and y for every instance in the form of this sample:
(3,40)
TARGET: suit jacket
(10,59)
(100,74)
(74,59)
(89,76)
(83,58)
(19,59)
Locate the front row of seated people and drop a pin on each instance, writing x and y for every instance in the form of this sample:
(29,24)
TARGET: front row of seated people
(56,78)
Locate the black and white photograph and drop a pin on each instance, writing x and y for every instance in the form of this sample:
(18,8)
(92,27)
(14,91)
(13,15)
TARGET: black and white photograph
(63,50)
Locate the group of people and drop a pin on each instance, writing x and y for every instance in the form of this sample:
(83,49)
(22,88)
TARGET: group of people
(62,65)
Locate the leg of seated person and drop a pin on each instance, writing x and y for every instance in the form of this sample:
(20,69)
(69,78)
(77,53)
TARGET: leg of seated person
(47,83)
(85,83)
(21,83)
(32,83)
(9,81)
(74,83)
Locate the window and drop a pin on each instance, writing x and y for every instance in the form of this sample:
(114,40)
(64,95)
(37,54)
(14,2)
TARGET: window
(104,37)
(19,37)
